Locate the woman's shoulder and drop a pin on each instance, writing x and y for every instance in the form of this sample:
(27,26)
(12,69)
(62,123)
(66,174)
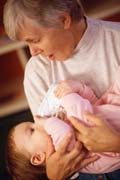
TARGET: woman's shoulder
(107,25)
(37,65)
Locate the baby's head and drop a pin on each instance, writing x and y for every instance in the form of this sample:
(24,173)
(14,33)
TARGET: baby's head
(26,150)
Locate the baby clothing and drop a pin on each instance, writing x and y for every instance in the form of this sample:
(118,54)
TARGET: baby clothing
(108,162)
(74,105)
(58,129)
(51,105)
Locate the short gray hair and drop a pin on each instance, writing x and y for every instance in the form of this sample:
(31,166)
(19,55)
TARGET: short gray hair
(46,13)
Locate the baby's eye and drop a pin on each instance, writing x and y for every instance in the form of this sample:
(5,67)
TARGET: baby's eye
(32,130)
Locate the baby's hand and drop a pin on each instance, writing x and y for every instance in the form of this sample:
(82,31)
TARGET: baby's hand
(67,87)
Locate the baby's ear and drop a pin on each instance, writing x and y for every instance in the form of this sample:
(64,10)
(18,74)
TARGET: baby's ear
(38,159)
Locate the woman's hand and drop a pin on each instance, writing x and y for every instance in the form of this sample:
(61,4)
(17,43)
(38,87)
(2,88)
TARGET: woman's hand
(100,138)
(67,87)
(62,164)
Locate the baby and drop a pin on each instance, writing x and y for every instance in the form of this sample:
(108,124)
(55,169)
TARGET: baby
(31,141)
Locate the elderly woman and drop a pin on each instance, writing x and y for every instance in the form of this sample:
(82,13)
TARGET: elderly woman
(65,44)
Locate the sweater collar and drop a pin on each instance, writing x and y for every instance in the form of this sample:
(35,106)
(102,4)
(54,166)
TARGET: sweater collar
(88,37)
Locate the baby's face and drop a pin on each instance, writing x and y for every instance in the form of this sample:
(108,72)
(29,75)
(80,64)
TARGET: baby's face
(31,138)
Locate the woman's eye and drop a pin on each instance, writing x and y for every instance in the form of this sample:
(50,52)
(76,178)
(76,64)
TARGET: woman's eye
(36,41)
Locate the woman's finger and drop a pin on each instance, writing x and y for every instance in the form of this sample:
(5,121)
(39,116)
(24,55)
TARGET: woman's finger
(78,125)
(77,151)
(89,160)
(64,144)
(93,118)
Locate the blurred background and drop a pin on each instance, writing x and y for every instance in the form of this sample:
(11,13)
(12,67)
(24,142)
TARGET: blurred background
(13,58)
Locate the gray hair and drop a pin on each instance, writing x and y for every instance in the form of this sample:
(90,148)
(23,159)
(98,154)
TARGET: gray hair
(46,13)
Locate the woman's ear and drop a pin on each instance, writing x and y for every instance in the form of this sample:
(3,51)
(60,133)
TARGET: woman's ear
(38,159)
(66,20)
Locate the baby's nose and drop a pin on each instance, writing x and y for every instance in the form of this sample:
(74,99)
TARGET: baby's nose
(39,121)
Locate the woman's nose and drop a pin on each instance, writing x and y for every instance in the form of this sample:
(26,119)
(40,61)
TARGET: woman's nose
(35,51)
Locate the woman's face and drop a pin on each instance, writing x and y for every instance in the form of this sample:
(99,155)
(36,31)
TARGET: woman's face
(53,43)
(31,138)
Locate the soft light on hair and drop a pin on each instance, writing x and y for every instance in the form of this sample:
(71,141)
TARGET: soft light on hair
(19,165)
(44,12)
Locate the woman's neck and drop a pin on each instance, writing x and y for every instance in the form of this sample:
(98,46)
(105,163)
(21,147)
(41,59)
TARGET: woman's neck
(79,29)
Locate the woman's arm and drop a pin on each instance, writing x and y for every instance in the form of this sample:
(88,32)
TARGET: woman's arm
(100,138)
(62,164)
